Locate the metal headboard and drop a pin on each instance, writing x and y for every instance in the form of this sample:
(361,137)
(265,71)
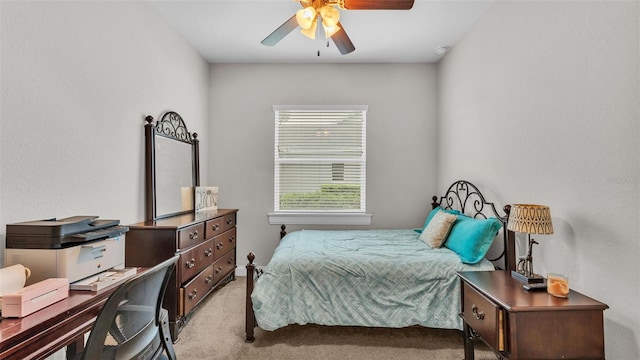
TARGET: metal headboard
(465,197)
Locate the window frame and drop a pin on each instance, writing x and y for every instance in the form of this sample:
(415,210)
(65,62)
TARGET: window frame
(319,217)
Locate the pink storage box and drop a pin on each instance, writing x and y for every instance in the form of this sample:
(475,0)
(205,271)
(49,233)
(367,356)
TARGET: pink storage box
(34,297)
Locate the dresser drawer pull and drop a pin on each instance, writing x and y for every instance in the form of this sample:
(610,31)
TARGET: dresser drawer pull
(193,294)
(215,227)
(193,235)
(190,263)
(208,279)
(219,270)
(229,221)
(479,315)
(208,252)
(219,246)
(231,261)
(231,239)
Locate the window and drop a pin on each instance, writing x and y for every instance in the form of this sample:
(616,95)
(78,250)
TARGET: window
(320,163)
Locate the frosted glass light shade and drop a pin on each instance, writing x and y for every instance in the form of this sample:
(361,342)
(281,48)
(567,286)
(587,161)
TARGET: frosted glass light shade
(330,15)
(310,32)
(306,17)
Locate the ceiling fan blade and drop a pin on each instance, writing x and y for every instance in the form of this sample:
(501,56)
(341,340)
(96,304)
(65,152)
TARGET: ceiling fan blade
(342,41)
(282,31)
(378,4)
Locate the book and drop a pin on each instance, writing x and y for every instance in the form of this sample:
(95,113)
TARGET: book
(103,279)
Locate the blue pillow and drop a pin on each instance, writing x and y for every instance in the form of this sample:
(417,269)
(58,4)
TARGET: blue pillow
(432,214)
(471,238)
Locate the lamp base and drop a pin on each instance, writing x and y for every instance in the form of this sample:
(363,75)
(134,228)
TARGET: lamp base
(533,278)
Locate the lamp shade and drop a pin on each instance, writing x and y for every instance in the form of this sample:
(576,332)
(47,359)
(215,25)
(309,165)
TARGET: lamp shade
(530,219)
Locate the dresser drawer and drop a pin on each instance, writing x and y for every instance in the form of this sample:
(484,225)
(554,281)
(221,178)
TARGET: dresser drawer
(219,225)
(194,291)
(190,236)
(195,259)
(484,316)
(224,265)
(223,243)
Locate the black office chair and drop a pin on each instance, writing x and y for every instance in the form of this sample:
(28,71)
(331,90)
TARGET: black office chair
(132,324)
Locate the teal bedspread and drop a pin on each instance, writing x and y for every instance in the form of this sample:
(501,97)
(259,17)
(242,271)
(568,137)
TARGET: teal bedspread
(373,278)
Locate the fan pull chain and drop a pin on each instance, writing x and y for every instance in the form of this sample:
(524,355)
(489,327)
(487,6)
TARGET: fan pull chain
(327,46)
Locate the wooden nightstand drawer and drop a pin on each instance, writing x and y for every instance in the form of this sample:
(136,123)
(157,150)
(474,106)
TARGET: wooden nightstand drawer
(484,316)
(520,324)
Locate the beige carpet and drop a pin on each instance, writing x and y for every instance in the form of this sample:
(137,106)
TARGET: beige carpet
(216,331)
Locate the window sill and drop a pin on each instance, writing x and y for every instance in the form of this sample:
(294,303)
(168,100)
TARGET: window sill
(319,218)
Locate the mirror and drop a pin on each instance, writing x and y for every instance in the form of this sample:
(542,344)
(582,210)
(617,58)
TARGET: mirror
(172,167)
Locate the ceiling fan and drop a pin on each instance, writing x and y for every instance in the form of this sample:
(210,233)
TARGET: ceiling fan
(307,19)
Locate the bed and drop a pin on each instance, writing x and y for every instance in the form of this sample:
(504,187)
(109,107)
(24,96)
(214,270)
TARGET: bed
(383,277)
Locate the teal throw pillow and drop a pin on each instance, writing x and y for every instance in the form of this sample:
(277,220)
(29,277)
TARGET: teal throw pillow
(471,238)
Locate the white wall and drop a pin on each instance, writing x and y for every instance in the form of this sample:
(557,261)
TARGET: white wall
(78,79)
(400,138)
(541,102)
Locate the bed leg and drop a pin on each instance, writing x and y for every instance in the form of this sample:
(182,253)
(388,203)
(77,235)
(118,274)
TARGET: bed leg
(250,320)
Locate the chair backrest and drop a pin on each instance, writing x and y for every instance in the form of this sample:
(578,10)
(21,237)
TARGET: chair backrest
(129,325)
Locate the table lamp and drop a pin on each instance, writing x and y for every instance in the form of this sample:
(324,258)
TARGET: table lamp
(529,219)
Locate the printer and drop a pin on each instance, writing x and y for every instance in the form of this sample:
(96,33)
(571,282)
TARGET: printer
(76,247)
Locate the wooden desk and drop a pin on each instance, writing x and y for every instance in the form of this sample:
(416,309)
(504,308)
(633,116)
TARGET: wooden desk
(48,330)
(520,324)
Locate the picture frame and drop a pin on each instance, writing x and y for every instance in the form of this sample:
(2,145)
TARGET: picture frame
(206,198)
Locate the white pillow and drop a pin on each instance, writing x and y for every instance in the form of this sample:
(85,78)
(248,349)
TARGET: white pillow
(436,232)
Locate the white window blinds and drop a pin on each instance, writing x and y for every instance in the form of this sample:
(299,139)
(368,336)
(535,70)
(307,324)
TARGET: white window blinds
(320,158)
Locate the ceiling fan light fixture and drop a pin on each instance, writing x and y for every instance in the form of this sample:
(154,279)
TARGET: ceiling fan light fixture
(330,15)
(306,17)
(329,31)
(310,32)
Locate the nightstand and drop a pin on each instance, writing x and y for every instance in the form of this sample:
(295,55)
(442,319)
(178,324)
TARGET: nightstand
(520,324)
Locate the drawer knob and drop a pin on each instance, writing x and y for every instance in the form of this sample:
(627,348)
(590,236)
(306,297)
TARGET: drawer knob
(208,279)
(193,294)
(231,261)
(190,263)
(208,252)
(215,227)
(229,221)
(231,239)
(218,270)
(193,235)
(219,246)
(479,315)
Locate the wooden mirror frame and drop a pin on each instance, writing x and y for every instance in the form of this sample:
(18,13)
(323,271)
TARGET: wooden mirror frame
(170,126)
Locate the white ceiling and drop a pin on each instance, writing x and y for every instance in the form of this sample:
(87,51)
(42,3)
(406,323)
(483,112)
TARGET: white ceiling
(230,31)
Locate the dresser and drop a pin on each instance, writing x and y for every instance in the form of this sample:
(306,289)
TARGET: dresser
(520,324)
(206,243)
